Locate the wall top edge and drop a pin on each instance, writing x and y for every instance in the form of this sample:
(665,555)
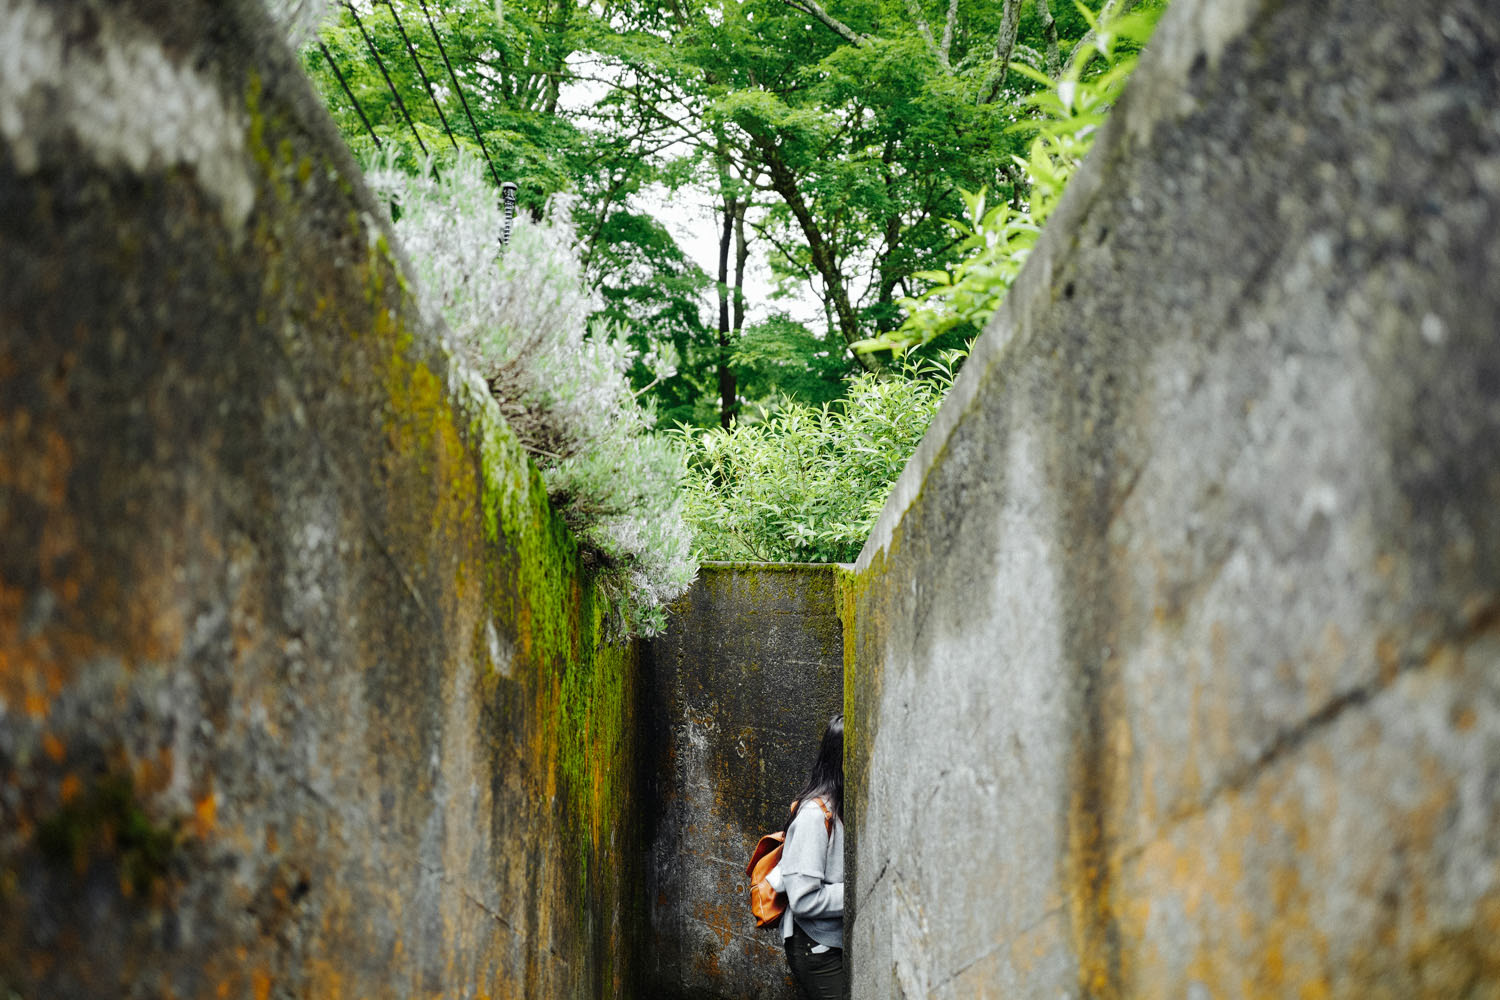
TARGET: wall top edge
(768,567)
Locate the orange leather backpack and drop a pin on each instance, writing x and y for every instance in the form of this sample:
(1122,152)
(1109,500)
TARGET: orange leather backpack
(766,903)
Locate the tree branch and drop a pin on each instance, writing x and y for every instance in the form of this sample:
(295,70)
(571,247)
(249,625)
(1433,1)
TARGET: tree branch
(824,255)
(948,29)
(1049,31)
(1084,50)
(763,231)
(1005,42)
(813,8)
(915,10)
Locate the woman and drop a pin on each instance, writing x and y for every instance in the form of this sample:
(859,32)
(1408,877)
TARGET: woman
(812,868)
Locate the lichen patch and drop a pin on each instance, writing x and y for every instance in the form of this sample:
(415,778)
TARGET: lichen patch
(119,96)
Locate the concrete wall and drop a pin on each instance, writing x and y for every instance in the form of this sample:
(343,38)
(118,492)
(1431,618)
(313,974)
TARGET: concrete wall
(1175,658)
(300,694)
(739,690)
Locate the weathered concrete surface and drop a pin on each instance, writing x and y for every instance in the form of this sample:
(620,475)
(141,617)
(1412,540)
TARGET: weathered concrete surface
(740,688)
(1184,625)
(299,689)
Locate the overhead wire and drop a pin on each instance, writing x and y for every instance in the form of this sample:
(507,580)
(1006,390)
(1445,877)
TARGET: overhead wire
(370,44)
(431,94)
(460,90)
(349,93)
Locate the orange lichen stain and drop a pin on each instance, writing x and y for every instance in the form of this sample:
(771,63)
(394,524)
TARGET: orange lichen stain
(54,748)
(205,815)
(40,463)
(35,668)
(1388,656)
(153,774)
(1322,666)
(1442,660)
(1315,990)
(69,789)
(260,984)
(325,980)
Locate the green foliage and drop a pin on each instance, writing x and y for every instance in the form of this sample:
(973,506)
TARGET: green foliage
(780,358)
(653,294)
(511,71)
(495,63)
(839,140)
(996,239)
(849,144)
(865,146)
(807,483)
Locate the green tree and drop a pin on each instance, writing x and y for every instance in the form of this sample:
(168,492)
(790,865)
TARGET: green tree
(420,82)
(866,128)
(833,137)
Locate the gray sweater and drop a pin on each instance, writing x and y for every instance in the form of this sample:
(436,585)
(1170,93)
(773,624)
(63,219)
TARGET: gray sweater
(812,863)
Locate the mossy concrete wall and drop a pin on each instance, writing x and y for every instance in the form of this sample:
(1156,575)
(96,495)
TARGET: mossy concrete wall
(301,691)
(1175,658)
(739,690)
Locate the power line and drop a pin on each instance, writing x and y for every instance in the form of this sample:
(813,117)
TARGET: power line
(370,44)
(422,73)
(349,93)
(459,88)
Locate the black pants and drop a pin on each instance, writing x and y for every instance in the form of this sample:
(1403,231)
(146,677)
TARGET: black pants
(819,977)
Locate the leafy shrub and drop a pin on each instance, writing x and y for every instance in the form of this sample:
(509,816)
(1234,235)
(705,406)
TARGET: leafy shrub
(520,318)
(997,239)
(807,483)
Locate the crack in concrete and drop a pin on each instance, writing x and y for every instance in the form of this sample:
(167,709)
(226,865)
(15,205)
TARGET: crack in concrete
(1483,621)
(879,876)
(718,931)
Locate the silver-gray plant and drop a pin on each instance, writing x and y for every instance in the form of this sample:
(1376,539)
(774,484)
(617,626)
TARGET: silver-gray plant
(298,19)
(520,318)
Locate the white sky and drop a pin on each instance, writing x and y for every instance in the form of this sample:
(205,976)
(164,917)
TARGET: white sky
(688,214)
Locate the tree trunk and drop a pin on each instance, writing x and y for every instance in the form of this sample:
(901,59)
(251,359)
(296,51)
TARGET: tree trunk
(914,8)
(889,275)
(1005,44)
(726,373)
(948,27)
(1049,31)
(741,258)
(784,183)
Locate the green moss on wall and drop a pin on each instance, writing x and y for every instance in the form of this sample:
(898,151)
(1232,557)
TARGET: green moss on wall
(106,822)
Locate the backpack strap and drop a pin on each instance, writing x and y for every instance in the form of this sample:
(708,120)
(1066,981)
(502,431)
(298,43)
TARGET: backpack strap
(827,815)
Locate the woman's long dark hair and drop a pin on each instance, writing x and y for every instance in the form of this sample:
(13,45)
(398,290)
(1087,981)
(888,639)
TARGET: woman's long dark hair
(827,779)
